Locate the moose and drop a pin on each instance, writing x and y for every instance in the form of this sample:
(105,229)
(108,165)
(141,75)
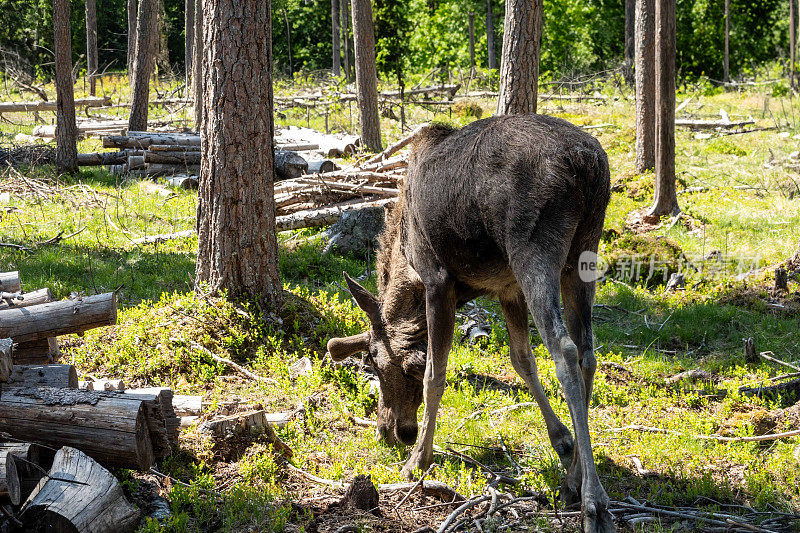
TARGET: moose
(503,207)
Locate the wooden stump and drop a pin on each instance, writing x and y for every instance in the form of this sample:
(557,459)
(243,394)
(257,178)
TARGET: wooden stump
(31,462)
(781,280)
(39,352)
(94,505)
(6,362)
(9,479)
(110,427)
(750,351)
(58,318)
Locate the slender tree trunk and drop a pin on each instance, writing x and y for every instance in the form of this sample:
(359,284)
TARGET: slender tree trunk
(630,41)
(133,14)
(337,49)
(666,198)
(66,129)
(792,44)
(91,44)
(348,50)
(519,66)
(197,65)
(188,22)
(288,40)
(237,243)
(490,49)
(726,77)
(143,63)
(645,85)
(366,75)
(471,40)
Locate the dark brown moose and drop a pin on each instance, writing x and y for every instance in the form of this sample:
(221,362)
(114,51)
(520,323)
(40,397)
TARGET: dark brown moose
(510,207)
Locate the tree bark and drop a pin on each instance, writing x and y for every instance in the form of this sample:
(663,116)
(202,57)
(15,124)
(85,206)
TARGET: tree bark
(133,13)
(645,85)
(792,43)
(471,40)
(59,376)
(366,74)
(9,281)
(41,296)
(91,44)
(288,39)
(95,503)
(6,361)
(726,76)
(490,48)
(66,128)
(143,63)
(630,41)
(337,49)
(188,21)
(237,241)
(519,65)
(666,198)
(197,65)
(344,8)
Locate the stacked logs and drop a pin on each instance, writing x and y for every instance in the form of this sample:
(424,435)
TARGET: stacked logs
(58,440)
(154,154)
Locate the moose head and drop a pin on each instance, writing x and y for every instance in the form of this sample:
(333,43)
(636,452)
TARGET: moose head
(398,360)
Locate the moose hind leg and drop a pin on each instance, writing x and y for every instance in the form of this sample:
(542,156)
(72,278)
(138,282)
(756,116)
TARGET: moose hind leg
(541,289)
(516,314)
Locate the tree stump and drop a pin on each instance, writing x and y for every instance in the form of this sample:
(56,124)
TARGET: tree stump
(781,280)
(361,494)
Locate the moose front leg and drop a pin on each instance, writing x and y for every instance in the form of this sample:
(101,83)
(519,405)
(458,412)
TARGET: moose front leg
(440,306)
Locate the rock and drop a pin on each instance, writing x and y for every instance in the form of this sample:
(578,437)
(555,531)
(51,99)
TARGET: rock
(301,367)
(361,494)
(676,281)
(356,231)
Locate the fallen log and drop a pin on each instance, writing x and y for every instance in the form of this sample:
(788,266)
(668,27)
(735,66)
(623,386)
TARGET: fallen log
(710,124)
(9,282)
(185,405)
(29,107)
(59,318)
(135,162)
(144,140)
(97,128)
(789,389)
(59,376)
(321,165)
(39,352)
(289,165)
(78,496)
(110,427)
(6,361)
(166,398)
(396,147)
(172,158)
(164,169)
(42,296)
(98,159)
(184,182)
(302,219)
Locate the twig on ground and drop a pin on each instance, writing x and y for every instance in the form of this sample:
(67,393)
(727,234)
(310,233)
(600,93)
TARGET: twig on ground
(415,487)
(719,438)
(768,357)
(469,504)
(242,370)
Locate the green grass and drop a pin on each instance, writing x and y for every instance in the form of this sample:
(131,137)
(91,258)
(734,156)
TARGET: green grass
(643,334)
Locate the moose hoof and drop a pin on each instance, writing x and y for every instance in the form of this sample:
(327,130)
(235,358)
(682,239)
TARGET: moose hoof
(597,519)
(416,461)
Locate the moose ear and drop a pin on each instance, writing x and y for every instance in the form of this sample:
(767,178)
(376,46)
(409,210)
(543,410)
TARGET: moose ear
(341,347)
(365,300)
(414,364)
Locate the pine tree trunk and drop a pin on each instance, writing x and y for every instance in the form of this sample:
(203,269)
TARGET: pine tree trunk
(519,66)
(197,65)
(133,14)
(337,49)
(91,44)
(490,49)
(726,76)
(238,249)
(471,40)
(666,198)
(188,22)
(366,75)
(630,41)
(344,7)
(792,44)
(288,39)
(66,129)
(143,63)
(645,85)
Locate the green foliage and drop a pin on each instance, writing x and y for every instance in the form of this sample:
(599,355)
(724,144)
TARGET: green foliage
(391,46)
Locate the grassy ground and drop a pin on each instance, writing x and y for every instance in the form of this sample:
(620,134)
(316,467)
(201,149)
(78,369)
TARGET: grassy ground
(747,216)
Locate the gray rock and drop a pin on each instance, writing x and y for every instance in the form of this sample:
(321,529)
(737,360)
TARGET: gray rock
(356,231)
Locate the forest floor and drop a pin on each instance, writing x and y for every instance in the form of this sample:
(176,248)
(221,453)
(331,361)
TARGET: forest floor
(740,195)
